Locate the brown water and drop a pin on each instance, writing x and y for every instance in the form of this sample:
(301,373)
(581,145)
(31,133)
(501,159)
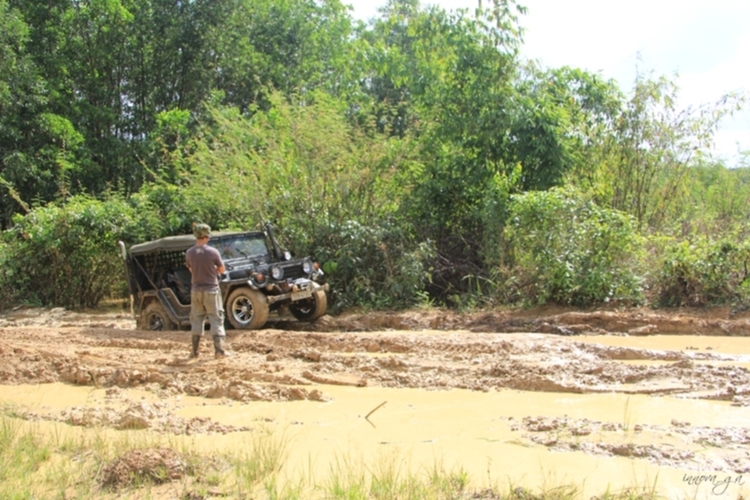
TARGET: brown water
(453,429)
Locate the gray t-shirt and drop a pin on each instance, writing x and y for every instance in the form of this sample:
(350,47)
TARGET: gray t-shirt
(204,260)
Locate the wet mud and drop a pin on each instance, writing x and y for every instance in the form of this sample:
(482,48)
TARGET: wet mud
(537,351)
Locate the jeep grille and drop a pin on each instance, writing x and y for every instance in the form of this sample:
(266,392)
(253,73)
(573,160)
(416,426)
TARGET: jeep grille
(293,271)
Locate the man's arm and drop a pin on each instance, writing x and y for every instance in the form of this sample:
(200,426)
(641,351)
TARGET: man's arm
(219,263)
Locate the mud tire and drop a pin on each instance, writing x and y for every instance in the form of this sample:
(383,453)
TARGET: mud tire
(312,308)
(247,309)
(155,318)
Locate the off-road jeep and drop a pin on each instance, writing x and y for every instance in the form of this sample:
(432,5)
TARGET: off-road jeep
(259,280)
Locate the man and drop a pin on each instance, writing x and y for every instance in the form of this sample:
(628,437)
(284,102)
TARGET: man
(205,264)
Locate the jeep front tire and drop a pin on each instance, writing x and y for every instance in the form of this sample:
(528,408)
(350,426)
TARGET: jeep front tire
(312,308)
(247,309)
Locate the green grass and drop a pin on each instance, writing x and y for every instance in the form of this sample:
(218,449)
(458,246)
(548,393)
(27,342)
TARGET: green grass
(261,462)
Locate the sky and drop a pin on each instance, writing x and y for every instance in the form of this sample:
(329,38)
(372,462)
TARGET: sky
(702,45)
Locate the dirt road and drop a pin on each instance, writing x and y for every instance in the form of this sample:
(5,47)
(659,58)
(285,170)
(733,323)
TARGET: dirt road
(418,349)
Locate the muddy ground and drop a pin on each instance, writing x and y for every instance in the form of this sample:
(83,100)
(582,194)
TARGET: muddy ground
(431,349)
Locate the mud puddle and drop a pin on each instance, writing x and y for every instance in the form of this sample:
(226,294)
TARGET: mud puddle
(594,442)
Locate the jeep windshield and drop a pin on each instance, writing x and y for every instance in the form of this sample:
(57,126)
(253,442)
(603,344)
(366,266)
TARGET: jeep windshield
(241,246)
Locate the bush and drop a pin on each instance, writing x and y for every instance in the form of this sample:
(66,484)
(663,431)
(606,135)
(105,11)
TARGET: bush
(376,265)
(703,272)
(66,254)
(565,249)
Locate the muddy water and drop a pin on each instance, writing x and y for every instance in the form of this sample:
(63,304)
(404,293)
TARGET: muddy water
(474,431)
(688,343)
(418,430)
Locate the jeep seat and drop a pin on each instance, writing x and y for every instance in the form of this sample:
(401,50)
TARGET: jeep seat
(179,281)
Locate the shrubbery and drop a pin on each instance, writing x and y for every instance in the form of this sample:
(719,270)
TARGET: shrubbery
(377,265)
(66,254)
(347,196)
(558,247)
(703,272)
(565,249)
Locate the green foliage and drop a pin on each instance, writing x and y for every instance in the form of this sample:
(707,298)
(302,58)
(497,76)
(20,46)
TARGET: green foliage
(29,170)
(715,201)
(66,254)
(563,248)
(110,69)
(376,265)
(299,161)
(650,148)
(397,144)
(703,272)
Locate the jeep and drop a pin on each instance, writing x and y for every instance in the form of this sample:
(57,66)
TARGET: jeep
(259,279)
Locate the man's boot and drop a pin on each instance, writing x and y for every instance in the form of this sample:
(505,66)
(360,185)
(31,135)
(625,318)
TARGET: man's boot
(196,341)
(219,347)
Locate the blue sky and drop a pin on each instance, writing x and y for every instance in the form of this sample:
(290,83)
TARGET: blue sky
(704,45)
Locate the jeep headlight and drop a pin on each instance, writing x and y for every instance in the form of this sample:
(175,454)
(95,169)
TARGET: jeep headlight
(307,267)
(277,273)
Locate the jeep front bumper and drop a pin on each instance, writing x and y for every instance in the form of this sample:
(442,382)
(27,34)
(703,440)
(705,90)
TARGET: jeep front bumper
(301,290)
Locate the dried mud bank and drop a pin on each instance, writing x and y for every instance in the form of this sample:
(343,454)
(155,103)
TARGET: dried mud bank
(553,320)
(692,447)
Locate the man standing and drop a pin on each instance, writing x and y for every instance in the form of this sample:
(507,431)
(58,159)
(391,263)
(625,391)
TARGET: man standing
(205,264)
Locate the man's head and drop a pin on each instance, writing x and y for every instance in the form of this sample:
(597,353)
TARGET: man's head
(201,231)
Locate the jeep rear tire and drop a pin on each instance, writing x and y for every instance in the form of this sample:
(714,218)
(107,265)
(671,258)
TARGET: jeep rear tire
(155,318)
(312,308)
(247,309)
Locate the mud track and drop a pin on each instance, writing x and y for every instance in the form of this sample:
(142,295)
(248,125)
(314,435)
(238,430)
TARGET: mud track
(418,349)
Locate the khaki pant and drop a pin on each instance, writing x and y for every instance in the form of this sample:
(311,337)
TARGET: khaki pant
(204,304)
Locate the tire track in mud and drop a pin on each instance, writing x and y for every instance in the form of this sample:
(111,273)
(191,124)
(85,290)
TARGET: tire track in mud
(282,365)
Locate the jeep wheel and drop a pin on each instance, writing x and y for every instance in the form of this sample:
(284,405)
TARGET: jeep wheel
(155,318)
(310,309)
(247,309)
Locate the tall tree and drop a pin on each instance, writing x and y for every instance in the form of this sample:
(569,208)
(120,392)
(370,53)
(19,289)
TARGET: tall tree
(653,144)
(447,79)
(38,148)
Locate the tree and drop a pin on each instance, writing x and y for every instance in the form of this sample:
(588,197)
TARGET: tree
(652,146)
(446,79)
(38,149)
(560,120)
